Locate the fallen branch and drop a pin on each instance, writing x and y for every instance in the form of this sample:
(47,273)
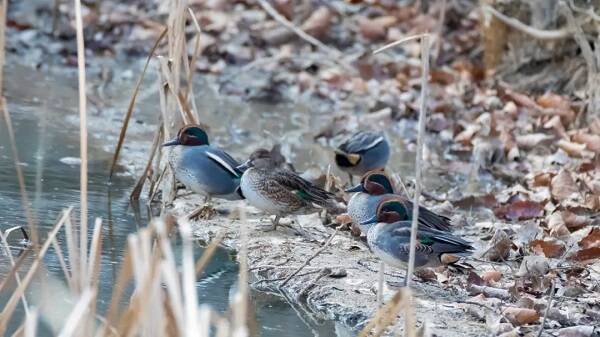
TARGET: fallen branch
(310,258)
(548,306)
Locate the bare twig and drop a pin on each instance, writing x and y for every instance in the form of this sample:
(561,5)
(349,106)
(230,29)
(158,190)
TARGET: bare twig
(548,306)
(323,273)
(531,31)
(333,53)
(399,42)
(310,258)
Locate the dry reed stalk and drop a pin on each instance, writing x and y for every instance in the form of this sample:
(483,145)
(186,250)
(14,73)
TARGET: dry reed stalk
(240,305)
(131,105)
(190,297)
(419,155)
(83,134)
(73,252)
(20,177)
(137,190)
(11,260)
(31,324)
(9,307)
(385,314)
(3,10)
(13,271)
(77,314)
(208,252)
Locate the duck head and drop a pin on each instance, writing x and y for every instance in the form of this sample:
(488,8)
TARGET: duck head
(261,159)
(388,211)
(189,135)
(374,183)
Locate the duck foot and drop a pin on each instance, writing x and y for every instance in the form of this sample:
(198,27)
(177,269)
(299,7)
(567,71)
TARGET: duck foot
(205,212)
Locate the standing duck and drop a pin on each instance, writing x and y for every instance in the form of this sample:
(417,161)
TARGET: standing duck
(279,191)
(206,170)
(364,151)
(389,238)
(376,187)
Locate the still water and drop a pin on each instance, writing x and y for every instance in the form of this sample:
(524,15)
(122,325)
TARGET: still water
(42,106)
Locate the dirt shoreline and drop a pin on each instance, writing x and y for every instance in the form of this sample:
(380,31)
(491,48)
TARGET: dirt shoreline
(347,295)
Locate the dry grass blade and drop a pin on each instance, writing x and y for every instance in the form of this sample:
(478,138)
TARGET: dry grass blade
(75,318)
(208,252)
(9,308)
(20,178)
(14,269)
(383,315)
(129,112)
(12,264)
(137,190)
(399,42)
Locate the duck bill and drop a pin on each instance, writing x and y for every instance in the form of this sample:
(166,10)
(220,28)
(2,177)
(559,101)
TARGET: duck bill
(370,221)
(357,188)
(243,167)
(172,142)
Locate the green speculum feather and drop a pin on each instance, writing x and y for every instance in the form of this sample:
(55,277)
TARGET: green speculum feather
(426,241)
(302,195)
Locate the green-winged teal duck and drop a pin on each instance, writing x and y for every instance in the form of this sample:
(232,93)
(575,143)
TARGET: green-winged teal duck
(376,187)
(203,168)
(279,191)
(389,238)
(364,151)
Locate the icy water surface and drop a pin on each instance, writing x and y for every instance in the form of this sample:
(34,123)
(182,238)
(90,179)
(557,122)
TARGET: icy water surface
(42,107)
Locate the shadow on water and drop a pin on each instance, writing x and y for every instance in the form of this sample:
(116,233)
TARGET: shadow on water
(45,143)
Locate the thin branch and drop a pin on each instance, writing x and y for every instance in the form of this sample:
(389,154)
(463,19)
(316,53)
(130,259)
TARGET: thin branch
(332,52)
(540,34)
(310,258)
(548,306)
(399,42)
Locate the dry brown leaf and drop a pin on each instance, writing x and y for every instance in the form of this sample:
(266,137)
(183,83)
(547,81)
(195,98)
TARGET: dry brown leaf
(376,29)
(532,140)
(559,105)
(542,179)
(491,275)
(499,247)
(574,221)
(519,210)
(575,150)
(591,240)
(548,248)
(343,219)
(592,142)
(467,134)
(521,316)
(285,7)
(557,226)
(563,186)
(533,266)
(586,255)
(318,22)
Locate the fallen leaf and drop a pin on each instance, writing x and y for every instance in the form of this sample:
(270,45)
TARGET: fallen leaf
(542,179)
(318,22)
(549,248)
(343,219)
(499,247)
(592,142)
(557,226)
(574,221)
(575,150)
(559,105)
(285,7)
(585,255)
(491,275)
(376,28)
(521,316)
(591,240)
(532,140)
(533,266)
(563,186)
(519,210)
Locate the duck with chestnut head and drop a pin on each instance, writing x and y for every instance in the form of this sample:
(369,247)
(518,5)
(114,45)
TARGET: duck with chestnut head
(362,152)
(376,187)
(279,191)
(205,169)
(389,238)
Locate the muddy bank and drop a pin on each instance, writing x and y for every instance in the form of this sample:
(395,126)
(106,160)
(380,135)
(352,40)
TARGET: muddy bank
(339,283)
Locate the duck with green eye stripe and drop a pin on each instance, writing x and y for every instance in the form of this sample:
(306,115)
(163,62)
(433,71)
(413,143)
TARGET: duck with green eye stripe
(376,187)
(279,191)
(204,169)
(389,238)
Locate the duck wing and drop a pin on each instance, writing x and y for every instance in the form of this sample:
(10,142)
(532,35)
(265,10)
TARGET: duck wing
(361,142)
(223,159)
(302,188)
